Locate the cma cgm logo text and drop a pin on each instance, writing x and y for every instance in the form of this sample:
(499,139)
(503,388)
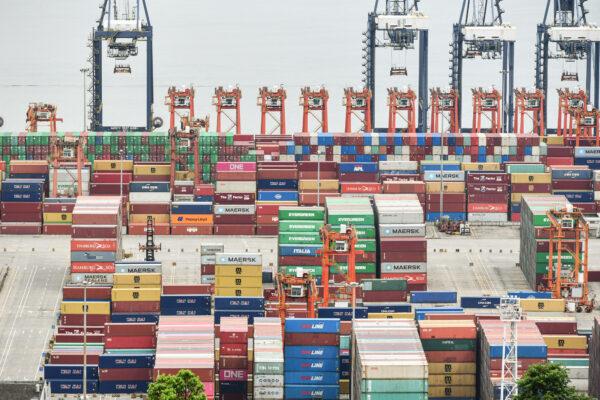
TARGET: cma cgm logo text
(313,326)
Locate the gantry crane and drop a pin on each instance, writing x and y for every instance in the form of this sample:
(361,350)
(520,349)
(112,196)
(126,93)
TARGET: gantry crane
(587,125)
(342,243)
(570,103)
(150,247)
(510,313)
(358,105)
(121,26)
(568,239)
(41,113)
(482,34)
(179,101)
(313,103)
(66,152)
(184,144)
(401,25)
(529,105)
(444,108)
(401,105)
(487,103)
(272,105)
(301,286)
(225,100)
(568,37)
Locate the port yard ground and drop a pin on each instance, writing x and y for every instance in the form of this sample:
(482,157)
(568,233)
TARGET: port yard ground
(482,264)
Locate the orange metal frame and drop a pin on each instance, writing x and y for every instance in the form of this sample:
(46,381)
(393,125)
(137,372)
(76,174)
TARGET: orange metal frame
(284,284)
(358,103)
(329,238)
(480,109)
(400,101)
(444,102)
(176,155)
(225,100)
(171,100)
(569,103)
(583,128)
(58,159)
(531,105)
(272,104)
(34,117)
(555,281)
(313,101)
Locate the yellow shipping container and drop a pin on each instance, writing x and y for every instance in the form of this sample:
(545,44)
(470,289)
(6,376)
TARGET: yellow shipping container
(184,175)
(516,197)
(58,218)
(143,218)
(543,305)
(344,386)
(138,294)
(556,140)
(566,342)
(452,380)
(544,177)
(93,307)
(137,279)
(452,368)
(311,184)
(238,292)
(238,281)
(113,165)
(480,166)
(451,391)
(391,315)
(161,169)
(449,187)
(238,270)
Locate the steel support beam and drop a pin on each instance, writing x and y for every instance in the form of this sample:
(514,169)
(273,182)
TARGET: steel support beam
(423,80)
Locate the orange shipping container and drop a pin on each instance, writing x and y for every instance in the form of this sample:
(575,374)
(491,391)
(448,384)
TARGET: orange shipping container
(191,219)
(447,330)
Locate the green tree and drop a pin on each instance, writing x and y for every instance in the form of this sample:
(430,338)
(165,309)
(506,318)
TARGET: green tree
(547,382)
(183,386)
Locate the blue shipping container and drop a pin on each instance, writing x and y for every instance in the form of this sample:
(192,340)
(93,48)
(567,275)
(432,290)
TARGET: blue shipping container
(43,177)
(239,303)
(291,184)
(312,378)
(321,392)
(312,364)
(576,197)
(126,361)
(387,308)
(148,187)
(525,294)
(524,351)
(68,371)
(294,250)
(30,197)
(137,318)
(343,313)
(184,311)
(101,256)
(72,386)
(311,352)
(571,173)
(454,216)
(278,195)
(190,207)
(479,302)
(432,297)
(23,185)
(312,325)
(250,314)
(358,167)
(185,302)
(109,387)
(236,387)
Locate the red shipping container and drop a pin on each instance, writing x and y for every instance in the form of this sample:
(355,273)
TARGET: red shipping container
(315,175)
(18,207)
(299,260)
(278,174)
(141,228)
(588,208)
(66,208)
(235,375)
(488,177)
(74,338)
(314,165)
(204,374)
(149,208)
(364,257)
(400,256)
(130,329)
(417,278)
(553,161)
(95,231)
(234,362)
(523,363)
(487,207)
(94,245)
(77,330)
(235,198)
(267,230)
(187,289)
(572,184)
(153,178)
(358,176)
(557,327)
(191,230)
(57,229)
(267,220)
(490,188)
(384,296)
(73,358)
(21,217)
(401,187)
(461,356)
(233,337)
(112,177)
(267,209)
(125,374)
(247,219)
(207,269)
(448,207)
(387,178)
(233,349)
(360,187)
(108,189)
(312,339)
(530,187)
(403,244)
(234,230)
(77,319)
(487,198)
(236,175)
(204,190)
(129,342)
(30,228)
(460,198)
(135,306)
(93,267)
(92,293)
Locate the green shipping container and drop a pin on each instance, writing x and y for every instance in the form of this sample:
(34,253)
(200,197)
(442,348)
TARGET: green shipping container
(366,245)
(391,386)
(299,238)
(363,232)
(544,257)
(301,213)
(448,344)
(314,270)
(360,268)
(394,396)
(300,226)
(379,285)
(350,217)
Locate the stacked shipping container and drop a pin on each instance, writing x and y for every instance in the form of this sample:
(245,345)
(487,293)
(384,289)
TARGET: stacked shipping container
(234,362)
(22,206)
(277,185)
(268,359)
(594,369)
(445,193)
(235,196)
(575,183)
(529,179)
(487,196)
(208,259)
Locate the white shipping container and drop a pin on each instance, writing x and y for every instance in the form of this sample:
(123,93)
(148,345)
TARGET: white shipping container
(235,187)
(398,165)
(402,230)
(403,267)
(138,267)
(487,217)
(208,259)
(149,197)
(236,209)
(239,259)
(207,279)
(268,380)
(268,393)
(92,279)
(398,217)
(395,367)
(213,249)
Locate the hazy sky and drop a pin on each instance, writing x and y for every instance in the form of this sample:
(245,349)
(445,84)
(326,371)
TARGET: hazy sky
(222,42)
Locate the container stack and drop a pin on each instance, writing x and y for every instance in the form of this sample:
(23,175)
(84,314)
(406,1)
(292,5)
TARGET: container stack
(358,171)
(192,336)
(388,360)
(576,184)
(58,215)
(268,359)
(299,240)
(358,212)
(151,172)
(68,379)
(22,206)
(149,199)
(142,311)
(136,293)
(30,169)
(450,347)
(398,171)
(95,239)
(406,187)
(277,186)
(594,368)
(311,172)
(235,209)
(208,259)
(191,218)
(312,358)
(531,350)
(188,300)
(487,196)
(402,243)
(238,274)
(447,198)
(531,179)
(234,364)
(111,177)
(66,180)
(535,246)
(239,306)
(589,156)
(127,365)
